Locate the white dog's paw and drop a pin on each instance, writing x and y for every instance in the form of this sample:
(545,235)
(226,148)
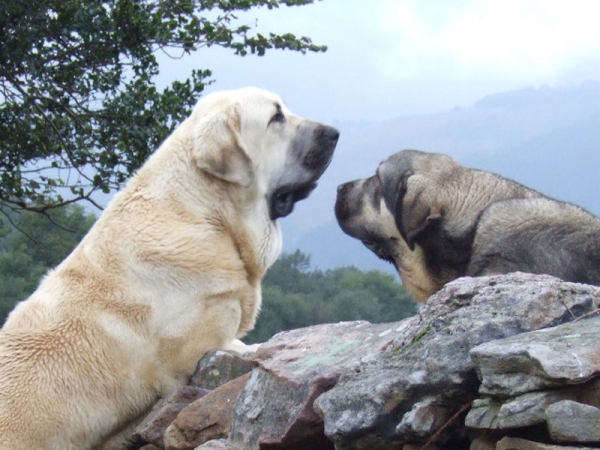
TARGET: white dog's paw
(238,346)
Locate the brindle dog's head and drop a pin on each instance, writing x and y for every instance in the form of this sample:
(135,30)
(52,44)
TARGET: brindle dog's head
(420,212)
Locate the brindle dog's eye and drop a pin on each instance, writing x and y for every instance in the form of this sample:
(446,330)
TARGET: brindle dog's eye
(278,117)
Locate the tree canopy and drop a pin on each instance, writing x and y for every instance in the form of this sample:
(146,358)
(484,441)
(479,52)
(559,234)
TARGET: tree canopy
(79,110)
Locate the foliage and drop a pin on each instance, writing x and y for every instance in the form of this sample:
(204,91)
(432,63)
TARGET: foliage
(37,243)
(295,296)
(78,107)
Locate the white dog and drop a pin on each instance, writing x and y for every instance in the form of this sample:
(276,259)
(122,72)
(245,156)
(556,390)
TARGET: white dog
(170,270)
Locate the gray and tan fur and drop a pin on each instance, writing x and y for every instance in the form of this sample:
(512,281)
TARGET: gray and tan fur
(436,220)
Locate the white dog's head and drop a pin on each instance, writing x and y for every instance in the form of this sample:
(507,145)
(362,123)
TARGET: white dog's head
(250,138)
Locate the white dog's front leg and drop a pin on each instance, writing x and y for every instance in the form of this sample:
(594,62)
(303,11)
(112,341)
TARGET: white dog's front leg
(238,346)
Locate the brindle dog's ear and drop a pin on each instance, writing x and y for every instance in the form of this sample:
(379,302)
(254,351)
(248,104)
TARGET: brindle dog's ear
(219,150)
(413,215)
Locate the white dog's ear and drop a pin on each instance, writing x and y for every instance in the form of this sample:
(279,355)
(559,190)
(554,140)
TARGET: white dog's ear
(219,150)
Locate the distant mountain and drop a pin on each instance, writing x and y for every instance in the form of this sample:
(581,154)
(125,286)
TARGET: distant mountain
(564,163)
(546,138)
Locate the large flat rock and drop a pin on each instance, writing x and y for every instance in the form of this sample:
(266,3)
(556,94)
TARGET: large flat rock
(275,410)
(566,354)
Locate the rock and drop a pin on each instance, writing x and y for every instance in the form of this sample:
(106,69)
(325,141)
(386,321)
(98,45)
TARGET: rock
(509,443)
(152,429)
(565,354)
(150,447)
(527,409)
(214,369)
(483,443)
(570,421)
(217,444)
(218,367)
(418,447)
(373,404)
(205,419)
(524,410)
(423,419)
(275,410)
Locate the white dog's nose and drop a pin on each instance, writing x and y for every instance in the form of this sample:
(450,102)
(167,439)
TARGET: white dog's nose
(325,139)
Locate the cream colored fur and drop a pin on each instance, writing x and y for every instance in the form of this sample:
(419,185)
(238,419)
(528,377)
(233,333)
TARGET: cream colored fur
(171,269)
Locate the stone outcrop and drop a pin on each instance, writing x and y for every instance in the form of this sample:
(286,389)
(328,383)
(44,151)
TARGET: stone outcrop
(153,428)
(502,362)
(548,376)
(205,419)
(295,368)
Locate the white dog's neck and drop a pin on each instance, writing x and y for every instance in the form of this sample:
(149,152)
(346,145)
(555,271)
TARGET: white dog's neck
(235,208)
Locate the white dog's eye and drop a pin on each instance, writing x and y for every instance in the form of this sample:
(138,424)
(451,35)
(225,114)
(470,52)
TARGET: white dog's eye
(278,117)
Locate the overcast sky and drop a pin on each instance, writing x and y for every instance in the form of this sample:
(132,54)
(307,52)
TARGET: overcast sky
(390,58)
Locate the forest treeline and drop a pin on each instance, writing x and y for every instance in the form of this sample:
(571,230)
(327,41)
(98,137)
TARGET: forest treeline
(294,294)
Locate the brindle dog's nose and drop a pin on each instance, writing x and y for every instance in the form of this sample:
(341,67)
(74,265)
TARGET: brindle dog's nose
(343,204)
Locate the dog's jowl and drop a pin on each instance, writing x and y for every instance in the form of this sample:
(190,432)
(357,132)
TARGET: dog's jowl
(436,220)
